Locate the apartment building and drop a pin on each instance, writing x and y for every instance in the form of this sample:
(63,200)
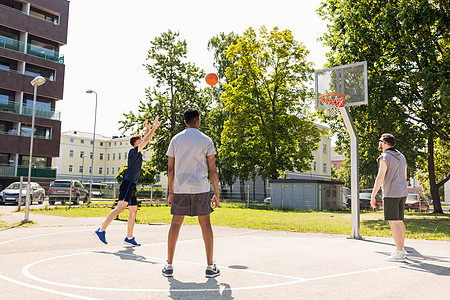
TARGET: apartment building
(110,155)
(31,34)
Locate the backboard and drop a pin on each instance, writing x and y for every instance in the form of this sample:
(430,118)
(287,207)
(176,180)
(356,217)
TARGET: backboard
(347,80)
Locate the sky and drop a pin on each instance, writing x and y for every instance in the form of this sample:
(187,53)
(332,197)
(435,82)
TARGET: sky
(108,42)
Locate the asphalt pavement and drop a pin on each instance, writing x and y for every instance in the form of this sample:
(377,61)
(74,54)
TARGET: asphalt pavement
(61,258)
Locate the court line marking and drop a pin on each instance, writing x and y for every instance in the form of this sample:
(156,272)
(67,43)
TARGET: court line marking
(195,290)
(45,289)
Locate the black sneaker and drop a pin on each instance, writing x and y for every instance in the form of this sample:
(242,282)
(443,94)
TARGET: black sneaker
(212,272)
(167,271)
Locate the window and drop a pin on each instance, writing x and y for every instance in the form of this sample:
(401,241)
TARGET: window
(101,156)
(101,143)
(112,170)
(70,168)
(126,155)
(92,142)
(37,162)
(82,141)
(90,155)
(41,48)
(7,64)
(334,193)
(32,70)
(107,171)
(120,143)
(108,156)
(81,154)
(39,132)
(90,169)
(324,149)
(114,156)
(71,153)
(71,140)
(80,169)
(43,15)
(109,144)
(315,166)
(115,143)
(324,167)
(100,170)
(120,156)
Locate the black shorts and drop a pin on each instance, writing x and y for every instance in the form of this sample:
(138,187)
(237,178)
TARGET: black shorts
(191,204)
(127,192)
(394,208)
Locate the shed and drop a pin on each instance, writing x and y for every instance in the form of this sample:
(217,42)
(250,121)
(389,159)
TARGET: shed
(306,194)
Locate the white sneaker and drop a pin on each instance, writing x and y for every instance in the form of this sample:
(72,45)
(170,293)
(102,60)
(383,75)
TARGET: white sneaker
(396,256)
(405,253)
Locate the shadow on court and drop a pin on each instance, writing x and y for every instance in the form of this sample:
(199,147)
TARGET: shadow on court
(211,289)
(128,254)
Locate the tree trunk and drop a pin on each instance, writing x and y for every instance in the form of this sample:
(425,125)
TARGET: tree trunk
(241,183)
(432,177)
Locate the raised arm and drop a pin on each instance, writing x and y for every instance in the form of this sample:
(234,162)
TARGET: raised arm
(150,132)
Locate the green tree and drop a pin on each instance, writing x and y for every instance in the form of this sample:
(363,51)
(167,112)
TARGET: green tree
(406,44)
(269,126)
(218,114)
(175,90)
(147,176)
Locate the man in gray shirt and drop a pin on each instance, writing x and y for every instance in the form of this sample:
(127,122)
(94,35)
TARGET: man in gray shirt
(191,156)
(392,176)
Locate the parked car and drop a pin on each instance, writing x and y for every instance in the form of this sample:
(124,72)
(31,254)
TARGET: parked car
(416,203)
(268,200)
(59,191)
(97,189)
(364,202)
(11,193)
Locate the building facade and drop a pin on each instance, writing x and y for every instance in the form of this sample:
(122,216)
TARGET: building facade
(110,156)
(31,34)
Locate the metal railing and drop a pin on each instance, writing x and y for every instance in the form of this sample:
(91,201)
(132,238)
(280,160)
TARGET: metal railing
(14,45)
(37,172)
(27,110)
(6,171)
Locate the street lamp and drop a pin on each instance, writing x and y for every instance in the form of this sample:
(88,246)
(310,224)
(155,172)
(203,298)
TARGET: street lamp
(82,167)
(37,81)
(93,143)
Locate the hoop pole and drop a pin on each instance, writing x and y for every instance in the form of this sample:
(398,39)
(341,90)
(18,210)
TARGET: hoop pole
(354,159)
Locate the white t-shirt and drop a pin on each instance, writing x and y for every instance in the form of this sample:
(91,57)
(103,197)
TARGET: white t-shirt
(190,149)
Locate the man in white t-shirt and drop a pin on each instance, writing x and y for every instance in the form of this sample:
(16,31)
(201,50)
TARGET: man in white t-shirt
(191,156)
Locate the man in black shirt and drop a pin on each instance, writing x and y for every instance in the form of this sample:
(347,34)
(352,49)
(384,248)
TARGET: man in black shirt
(127,196)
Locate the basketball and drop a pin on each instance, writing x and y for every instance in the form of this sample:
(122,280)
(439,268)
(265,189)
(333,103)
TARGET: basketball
(211,79)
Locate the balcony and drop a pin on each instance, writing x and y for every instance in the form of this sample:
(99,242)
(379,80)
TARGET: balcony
(14,45)
(37,172)
(27,110)
(8,171)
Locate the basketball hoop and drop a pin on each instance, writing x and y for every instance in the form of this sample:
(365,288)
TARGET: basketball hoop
(332,103)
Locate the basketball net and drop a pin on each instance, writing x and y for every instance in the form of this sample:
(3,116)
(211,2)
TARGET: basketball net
(332,103)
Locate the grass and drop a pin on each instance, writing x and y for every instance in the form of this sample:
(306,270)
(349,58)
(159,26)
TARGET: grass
(418,226)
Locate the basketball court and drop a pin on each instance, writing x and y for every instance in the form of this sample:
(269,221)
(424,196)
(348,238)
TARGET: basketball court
(67,262)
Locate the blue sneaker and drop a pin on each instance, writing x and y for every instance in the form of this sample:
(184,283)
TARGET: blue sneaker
(101,235)
(131,242)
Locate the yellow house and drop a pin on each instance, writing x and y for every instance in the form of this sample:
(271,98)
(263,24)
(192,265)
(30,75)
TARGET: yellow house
(110,155)
(321,163)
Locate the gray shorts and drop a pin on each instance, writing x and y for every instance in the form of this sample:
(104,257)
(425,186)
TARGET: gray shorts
(191,204)
(394,208)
